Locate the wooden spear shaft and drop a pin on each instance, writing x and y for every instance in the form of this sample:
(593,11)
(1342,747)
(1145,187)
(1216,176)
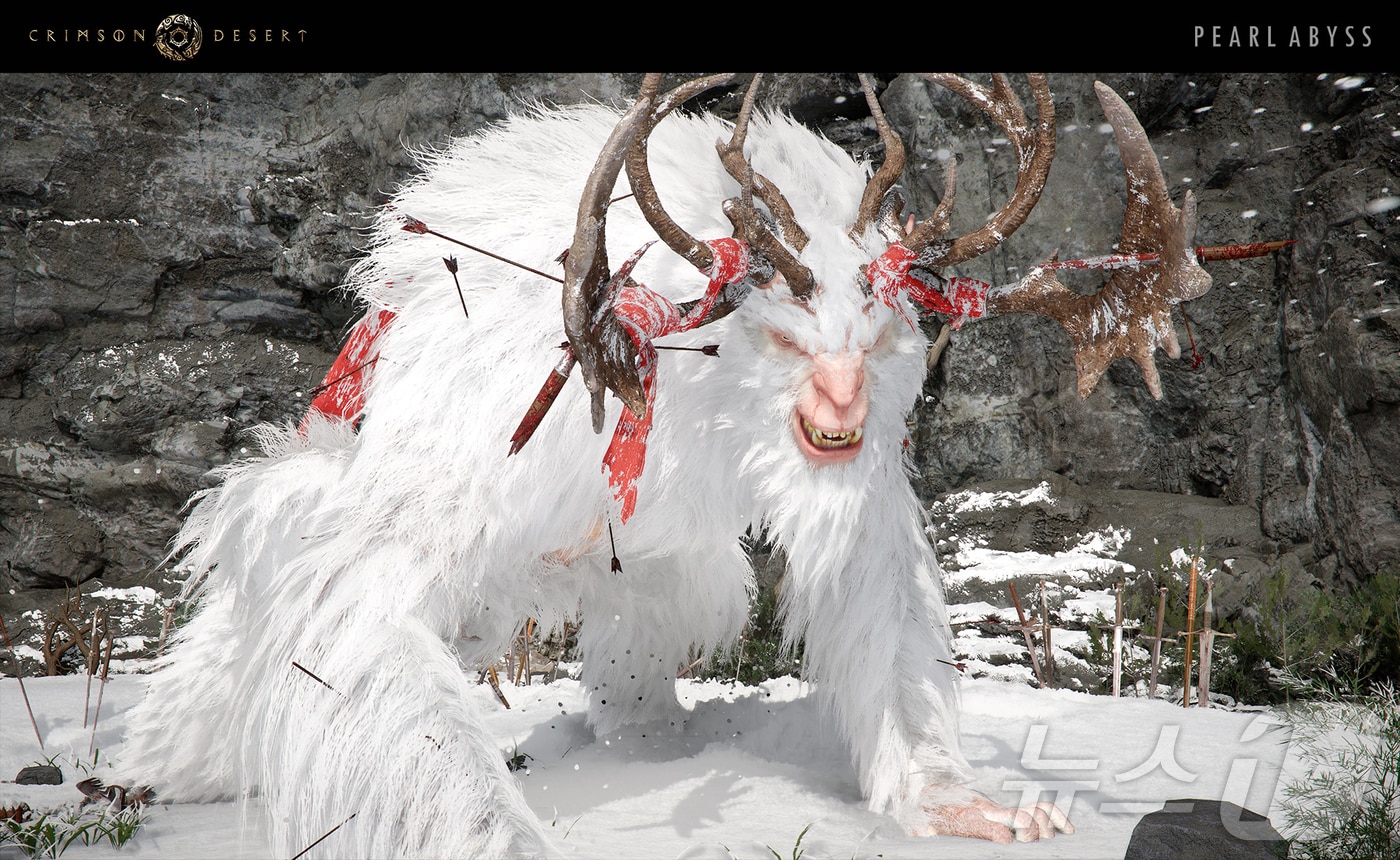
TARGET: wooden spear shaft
(1190,631)
(1203,676)
(106,662)
(91,667)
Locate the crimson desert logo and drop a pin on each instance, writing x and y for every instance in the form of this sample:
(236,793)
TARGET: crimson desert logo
(179,37)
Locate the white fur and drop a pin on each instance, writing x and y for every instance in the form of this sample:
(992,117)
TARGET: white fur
(396,562)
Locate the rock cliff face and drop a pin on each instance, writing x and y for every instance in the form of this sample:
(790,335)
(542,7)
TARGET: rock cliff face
(172,245)
(1292,412)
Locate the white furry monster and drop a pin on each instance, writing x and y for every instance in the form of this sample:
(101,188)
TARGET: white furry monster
(398,560)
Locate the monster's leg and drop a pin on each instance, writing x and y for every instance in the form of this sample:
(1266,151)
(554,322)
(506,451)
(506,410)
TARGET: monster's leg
(639,626)
(392,732)
(877,645)
(181,737)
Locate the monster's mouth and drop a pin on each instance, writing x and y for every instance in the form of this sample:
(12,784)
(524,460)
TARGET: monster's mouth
(823,447)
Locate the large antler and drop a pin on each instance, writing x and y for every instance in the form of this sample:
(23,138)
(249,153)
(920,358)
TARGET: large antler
(604,351)
(1131,315)
(602,347)
(766,236)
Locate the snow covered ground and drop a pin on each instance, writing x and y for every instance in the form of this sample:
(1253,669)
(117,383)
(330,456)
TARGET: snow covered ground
(752,768)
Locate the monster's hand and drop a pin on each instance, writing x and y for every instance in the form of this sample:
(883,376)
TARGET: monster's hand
(953,810)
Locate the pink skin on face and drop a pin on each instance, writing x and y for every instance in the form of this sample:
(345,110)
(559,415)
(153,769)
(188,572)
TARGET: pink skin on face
(831,408)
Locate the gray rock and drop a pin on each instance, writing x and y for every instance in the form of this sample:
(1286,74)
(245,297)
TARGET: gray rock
(39,774)
(1199,829)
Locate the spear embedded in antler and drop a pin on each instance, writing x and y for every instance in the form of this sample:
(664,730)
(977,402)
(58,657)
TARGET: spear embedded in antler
(610,319)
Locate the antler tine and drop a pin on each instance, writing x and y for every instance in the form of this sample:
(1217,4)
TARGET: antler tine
(732,156)
(744,216)
(890,170)
(942,217)
(1035,149)
(639,173)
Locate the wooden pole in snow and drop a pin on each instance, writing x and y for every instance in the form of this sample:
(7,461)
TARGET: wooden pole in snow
(1208,636)
(167,615)
(1118,640)
(106,662)
(91,666)
(1190,631)
(1026,634)
(1045,634)
(1157,642)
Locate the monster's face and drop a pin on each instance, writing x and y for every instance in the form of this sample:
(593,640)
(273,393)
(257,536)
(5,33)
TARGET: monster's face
(834,347)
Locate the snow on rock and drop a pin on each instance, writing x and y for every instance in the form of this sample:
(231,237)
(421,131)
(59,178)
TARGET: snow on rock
(962,613)
(136,594)
(992,566)
(970,500)
(1092,604)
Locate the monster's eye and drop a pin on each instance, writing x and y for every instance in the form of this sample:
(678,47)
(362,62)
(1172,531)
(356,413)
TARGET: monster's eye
(783,341)
(884,341)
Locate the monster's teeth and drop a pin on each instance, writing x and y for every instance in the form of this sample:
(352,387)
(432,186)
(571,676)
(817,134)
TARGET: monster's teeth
(821,439)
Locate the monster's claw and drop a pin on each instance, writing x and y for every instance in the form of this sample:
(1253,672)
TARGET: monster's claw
(958,811)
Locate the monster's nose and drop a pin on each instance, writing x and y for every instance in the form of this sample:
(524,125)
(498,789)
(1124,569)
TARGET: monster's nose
(839,380)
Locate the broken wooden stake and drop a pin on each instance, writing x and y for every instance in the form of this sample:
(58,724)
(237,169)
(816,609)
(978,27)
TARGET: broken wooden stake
(490,675)
(167,615)
(1118,640)
(1026,634)
(686,670)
